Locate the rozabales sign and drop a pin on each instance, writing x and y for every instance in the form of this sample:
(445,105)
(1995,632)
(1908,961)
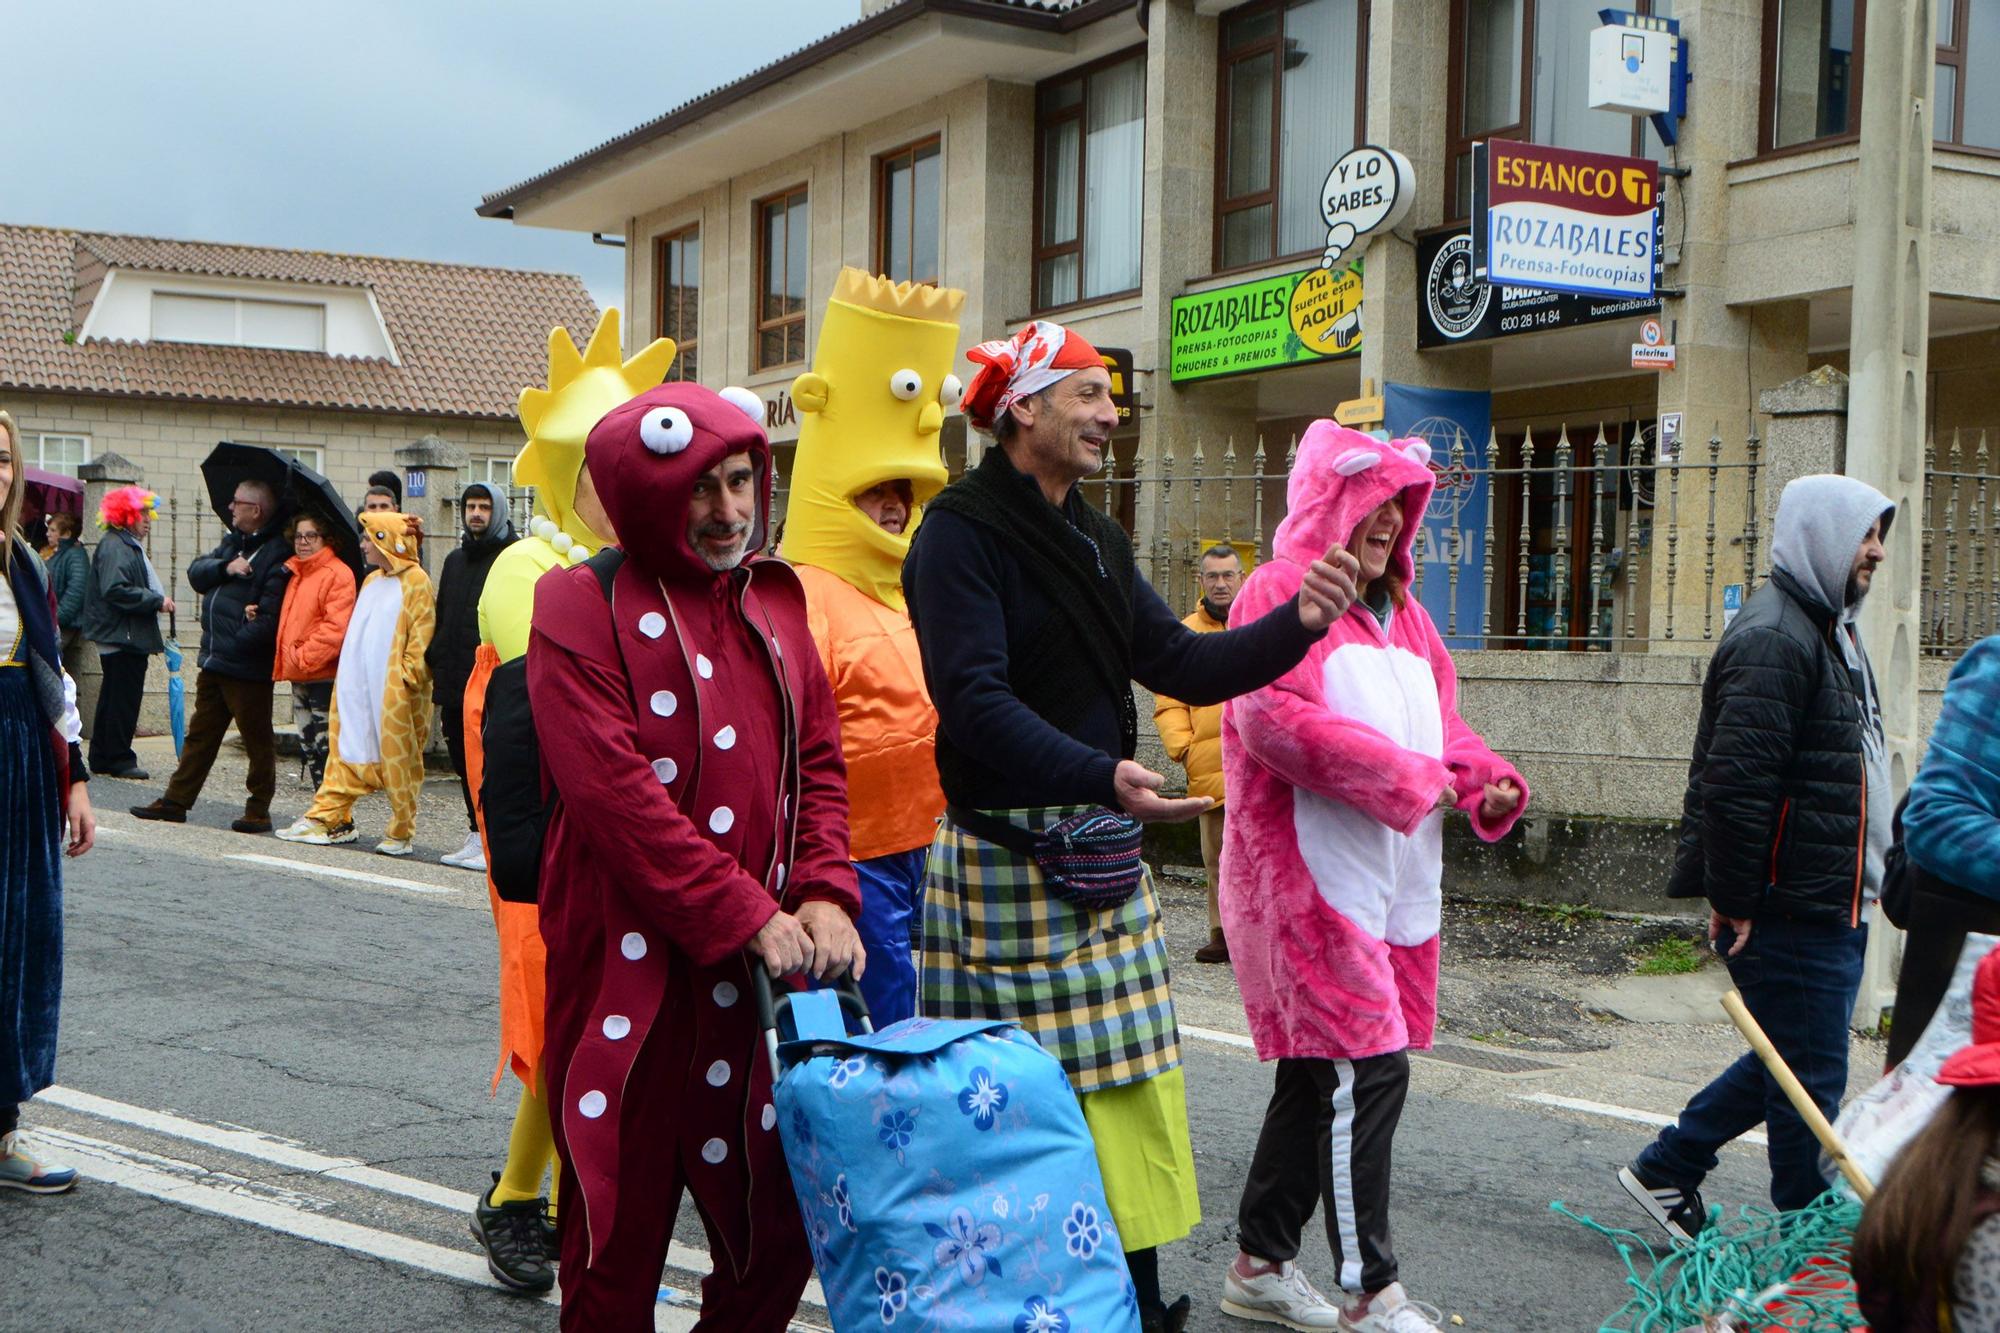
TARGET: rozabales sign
(1565,221)
(1368,190)
(1454,307)
(1289,320)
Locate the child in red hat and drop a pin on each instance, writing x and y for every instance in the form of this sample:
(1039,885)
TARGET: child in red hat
(1927,1253)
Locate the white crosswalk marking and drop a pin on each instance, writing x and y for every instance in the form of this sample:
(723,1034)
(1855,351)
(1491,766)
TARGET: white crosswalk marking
(298,1213)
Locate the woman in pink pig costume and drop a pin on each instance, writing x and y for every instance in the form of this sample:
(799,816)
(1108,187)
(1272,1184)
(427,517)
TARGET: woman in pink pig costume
(1339,776)
(698,828)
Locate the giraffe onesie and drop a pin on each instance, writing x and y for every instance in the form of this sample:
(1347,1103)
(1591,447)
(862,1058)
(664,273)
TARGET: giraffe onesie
(381,697)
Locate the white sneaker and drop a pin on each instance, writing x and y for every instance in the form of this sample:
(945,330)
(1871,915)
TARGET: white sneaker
(465,855)
(1283,1297)
(1392,1311)
(315,834)
(395,846)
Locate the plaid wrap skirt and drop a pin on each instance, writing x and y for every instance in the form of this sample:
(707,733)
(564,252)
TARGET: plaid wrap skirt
(1090,986)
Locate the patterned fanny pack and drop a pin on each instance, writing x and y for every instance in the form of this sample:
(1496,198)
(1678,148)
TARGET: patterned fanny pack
(1089,859)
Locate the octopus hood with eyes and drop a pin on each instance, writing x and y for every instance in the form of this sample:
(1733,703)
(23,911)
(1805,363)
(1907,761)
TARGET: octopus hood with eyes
(873,403)
(646,456)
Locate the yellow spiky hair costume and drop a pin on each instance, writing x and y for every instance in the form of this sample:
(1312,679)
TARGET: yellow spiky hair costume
(873,402)
(583,386)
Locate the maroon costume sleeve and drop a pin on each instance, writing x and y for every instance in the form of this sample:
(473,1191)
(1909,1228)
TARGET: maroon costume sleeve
(821,869)
(672,875)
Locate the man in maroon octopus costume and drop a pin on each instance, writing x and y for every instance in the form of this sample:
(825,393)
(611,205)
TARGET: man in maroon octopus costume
(698,828)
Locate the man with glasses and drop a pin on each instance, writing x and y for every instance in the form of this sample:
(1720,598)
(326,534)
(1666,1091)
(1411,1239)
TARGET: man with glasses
(1193,735)
(242,587)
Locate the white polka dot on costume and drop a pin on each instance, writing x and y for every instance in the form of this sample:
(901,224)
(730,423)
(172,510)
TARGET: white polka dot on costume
(714,1151)
(721,819)
(666,770)
(633,946)
(652,624)
(725,739)
(664,703)
(770,1116)
(617,1026)
(718,1073)
(703,666)
(591,1105)
(725,994)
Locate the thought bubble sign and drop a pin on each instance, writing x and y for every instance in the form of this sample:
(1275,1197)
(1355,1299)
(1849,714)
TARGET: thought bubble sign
(1368,190)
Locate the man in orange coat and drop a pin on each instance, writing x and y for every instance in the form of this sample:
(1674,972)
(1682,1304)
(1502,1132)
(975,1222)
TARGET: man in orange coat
(1193,736)
(867,461)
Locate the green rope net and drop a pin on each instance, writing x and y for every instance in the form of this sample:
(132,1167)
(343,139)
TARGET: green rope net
(1761,1270)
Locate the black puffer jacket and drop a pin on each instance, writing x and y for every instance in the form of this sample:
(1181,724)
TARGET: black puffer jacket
(231,643)
(464,578)
(1776,808)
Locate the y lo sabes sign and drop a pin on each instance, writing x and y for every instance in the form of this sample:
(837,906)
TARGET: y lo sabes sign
(1561,220)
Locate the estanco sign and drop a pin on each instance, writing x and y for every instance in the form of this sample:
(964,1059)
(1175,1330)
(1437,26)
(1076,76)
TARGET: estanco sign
(1564,221)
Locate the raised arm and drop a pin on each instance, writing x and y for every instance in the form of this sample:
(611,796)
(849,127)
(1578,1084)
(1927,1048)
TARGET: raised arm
(1169,658)
(1288,727)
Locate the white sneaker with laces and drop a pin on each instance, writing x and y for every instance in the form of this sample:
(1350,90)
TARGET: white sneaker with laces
(465,855)
(1392,1311)
(1284,1297)
(395,847)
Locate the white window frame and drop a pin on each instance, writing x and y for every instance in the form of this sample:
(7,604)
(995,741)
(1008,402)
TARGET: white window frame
(311,455)
(42,441)
(237,303)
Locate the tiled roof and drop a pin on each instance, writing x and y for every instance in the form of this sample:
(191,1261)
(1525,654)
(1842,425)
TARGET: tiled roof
(468,339)
(1039,13)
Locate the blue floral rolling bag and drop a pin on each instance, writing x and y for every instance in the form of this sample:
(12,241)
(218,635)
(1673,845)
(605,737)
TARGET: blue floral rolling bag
(945,1174)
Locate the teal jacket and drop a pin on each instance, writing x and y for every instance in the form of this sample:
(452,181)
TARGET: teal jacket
(1952,825)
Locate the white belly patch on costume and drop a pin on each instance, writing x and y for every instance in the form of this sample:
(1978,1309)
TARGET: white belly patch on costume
(1386,882)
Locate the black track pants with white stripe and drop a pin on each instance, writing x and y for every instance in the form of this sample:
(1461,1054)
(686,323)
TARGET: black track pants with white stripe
(1326,1139)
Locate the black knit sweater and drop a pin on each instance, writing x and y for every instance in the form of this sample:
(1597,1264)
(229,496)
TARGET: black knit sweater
(1014,732)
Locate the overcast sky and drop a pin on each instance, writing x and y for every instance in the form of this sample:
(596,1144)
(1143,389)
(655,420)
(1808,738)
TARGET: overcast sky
(367,126)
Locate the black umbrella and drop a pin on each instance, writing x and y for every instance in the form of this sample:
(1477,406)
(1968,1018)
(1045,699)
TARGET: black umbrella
(299,489)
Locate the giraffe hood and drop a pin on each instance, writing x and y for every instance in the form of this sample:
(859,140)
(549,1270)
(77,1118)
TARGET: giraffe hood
(396,536)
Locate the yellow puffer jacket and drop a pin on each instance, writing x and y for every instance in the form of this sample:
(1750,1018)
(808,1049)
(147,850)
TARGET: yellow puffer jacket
(1193,736)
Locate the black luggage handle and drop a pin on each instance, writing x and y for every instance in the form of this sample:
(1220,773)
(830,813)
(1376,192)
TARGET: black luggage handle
(772,1006)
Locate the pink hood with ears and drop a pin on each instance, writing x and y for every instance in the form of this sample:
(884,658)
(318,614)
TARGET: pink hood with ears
(1338,479)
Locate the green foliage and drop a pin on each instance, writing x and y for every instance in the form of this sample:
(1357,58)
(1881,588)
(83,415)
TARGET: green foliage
(1671,957)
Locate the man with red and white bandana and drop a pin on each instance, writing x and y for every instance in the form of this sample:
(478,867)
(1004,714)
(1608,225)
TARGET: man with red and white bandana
(698,829)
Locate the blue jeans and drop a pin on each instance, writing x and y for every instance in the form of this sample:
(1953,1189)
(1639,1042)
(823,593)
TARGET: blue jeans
(1799,980)
(892,914)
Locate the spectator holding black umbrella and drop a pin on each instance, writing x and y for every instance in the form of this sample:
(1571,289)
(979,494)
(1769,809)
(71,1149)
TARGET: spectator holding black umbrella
(242,586)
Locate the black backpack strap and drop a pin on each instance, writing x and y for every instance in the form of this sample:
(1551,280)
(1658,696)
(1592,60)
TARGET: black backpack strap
(605,565)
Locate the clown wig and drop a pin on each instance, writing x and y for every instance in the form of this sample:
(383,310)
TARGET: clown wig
(127,505)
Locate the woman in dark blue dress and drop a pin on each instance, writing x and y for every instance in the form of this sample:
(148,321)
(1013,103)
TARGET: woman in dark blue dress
(43,800)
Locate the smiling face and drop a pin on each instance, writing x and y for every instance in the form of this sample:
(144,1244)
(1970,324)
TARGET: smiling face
(1374,539)
(1064,432)
(721,511)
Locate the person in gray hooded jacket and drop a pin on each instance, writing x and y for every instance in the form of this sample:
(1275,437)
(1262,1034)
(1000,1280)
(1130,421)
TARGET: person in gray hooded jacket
(1784,829)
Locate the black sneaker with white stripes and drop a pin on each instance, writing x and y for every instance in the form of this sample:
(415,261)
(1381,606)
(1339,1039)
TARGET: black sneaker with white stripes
(1678,1209)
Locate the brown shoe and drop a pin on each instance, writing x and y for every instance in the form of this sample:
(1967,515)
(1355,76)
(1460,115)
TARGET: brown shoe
(162,809)
(252,824)
(1215,951)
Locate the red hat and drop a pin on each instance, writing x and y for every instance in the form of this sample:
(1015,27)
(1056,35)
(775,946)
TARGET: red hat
(1978,1065)
(1025,364)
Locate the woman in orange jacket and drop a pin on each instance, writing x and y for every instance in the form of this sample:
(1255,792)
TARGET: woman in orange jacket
(310,629)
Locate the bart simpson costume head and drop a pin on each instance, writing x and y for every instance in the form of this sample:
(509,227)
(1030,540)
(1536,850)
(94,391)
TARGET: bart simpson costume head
(582,388)
(874,402)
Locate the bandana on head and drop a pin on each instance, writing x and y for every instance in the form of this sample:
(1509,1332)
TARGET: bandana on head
(1021,366)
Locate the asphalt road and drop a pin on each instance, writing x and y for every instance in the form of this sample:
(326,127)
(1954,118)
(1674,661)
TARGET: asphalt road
(276,1081)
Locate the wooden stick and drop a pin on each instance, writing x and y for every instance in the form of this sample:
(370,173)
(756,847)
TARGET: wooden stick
(1802,1102)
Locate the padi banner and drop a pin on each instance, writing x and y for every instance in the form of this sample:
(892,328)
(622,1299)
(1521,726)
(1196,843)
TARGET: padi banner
(1456,424)
(1566,221)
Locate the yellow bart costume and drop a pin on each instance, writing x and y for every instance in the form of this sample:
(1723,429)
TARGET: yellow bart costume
(582,387)
(381,714)
(874,403)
